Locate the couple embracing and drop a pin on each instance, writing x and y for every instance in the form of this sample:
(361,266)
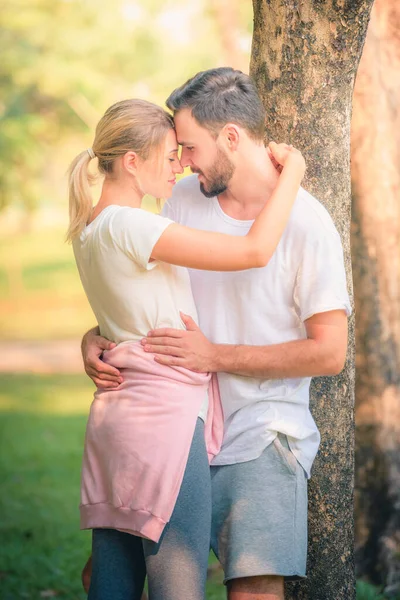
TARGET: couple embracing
(212,318)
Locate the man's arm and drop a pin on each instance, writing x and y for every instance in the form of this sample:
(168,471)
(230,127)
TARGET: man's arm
(323,352)
(92,347)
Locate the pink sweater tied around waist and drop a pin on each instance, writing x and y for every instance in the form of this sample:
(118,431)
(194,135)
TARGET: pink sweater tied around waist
(138,439)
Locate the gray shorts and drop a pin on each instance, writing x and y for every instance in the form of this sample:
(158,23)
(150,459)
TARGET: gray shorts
(259,522)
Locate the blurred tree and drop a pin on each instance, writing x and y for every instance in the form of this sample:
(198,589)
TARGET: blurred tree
(376,264)
(304,60)
(64,61)
(227,18)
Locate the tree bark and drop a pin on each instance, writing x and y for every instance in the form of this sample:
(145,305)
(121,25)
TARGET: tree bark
(376,260)
(304,60)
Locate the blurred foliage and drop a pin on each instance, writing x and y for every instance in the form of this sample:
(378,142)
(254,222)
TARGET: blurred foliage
(64,61)
(366,591)
(41,296)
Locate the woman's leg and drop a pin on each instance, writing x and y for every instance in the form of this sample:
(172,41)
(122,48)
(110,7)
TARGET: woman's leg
(118,566)
(177,565)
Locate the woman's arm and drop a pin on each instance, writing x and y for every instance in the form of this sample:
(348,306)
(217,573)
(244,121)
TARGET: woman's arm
(187,247)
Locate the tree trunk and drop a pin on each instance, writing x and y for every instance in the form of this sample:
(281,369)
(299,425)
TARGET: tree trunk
(376,259)
(304,59)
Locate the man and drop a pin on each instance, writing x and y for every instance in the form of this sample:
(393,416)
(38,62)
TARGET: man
(266,332)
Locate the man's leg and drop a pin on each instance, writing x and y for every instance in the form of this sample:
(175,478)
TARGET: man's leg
(259,524)
(256,588)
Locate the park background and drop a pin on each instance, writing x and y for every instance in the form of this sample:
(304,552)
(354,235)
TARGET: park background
(63,63)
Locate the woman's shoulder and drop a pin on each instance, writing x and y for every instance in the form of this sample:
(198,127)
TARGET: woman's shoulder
(116,224)
(128,217)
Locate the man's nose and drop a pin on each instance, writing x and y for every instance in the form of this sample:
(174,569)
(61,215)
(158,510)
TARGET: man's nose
(185,159)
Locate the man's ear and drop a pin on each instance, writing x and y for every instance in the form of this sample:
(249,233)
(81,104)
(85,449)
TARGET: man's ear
(230,136)
(130,162)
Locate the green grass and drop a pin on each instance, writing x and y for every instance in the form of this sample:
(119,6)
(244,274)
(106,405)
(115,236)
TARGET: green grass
(42,424)
(366,591)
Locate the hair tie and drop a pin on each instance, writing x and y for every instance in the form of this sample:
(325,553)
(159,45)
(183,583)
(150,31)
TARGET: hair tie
(91,153)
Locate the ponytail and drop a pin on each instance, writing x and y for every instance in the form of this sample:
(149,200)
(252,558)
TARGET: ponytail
(129,125)
(80,198)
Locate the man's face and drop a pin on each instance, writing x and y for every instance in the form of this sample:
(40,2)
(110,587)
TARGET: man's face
(203,154)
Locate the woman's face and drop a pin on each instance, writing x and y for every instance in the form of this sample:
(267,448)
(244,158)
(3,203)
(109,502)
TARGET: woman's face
(158,173)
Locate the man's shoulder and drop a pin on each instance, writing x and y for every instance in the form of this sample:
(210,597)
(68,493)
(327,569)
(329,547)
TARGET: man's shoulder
(310,218)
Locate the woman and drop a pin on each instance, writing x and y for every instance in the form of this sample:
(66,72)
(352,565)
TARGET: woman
(145,476)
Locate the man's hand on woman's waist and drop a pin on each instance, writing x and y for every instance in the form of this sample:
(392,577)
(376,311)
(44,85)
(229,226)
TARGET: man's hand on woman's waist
(102,374)
(179,348)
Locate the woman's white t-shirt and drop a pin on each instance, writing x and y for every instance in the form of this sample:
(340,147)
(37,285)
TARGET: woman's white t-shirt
(128,294)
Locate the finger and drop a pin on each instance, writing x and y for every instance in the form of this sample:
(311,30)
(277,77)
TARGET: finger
(278,151)
(108,377)
(169,350)
(168,332)
(170,361)
(190,324)
(162,341)
(100,366)
(95,374)
(108,385)
(103,343)
(109,345)
(275,162)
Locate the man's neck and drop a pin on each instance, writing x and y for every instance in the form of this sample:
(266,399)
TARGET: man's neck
(251,185)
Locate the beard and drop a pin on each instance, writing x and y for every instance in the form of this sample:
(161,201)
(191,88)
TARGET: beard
(218,177)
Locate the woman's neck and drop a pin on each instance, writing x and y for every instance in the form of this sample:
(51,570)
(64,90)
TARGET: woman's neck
(119,193)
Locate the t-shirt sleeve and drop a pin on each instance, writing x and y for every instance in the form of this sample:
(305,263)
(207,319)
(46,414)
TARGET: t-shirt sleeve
(321,277)
(136,231)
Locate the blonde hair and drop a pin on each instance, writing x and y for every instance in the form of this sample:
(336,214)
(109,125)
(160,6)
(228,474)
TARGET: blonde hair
(129,125)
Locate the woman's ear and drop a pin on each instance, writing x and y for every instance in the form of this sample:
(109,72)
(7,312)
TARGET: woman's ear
(130,162)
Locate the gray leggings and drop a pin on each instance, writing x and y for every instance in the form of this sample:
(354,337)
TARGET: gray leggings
(177,565)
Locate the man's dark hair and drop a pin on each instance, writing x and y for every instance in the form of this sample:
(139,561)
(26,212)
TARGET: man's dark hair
(220,96)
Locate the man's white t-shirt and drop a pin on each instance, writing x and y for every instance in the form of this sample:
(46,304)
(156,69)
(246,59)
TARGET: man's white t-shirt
(261,307)
(128,294)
